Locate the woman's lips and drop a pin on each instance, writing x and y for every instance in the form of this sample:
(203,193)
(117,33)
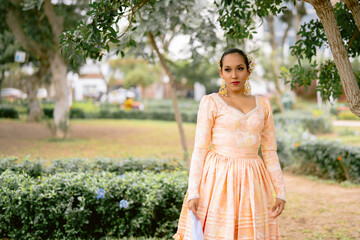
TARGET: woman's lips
(235,83)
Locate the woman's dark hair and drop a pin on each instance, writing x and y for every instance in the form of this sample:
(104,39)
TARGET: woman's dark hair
(234,50)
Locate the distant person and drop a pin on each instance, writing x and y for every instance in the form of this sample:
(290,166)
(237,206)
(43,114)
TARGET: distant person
(128,104)
(230,188)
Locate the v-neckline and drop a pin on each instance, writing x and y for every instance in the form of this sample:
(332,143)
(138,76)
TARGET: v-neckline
(237,110)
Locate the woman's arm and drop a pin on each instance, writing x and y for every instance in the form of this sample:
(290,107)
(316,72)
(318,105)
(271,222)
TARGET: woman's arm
(269,153)
(205,121)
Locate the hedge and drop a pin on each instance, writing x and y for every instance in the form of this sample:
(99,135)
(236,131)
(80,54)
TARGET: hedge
(117,166)
(329,160)
(91,205)
(306,120)
(74,113)
(9,112)
(126,114)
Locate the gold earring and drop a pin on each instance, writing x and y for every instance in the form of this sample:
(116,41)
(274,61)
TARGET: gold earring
(222,89)
(247,90)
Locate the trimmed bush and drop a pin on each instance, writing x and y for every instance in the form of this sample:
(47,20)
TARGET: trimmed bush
(77,113)
(74,113)
(329,160)
(9,112)
(117,166)
(306,120)
(347,115)
(153,115)
(91,205)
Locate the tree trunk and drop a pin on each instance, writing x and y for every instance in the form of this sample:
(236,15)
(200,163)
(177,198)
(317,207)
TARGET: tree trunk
(32,84)
(1,81)
(58,70)
(61,110)
(325,12)
(275,65)
(354,7)
(173,95)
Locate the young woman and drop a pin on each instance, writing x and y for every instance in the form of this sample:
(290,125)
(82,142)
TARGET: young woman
(230,187)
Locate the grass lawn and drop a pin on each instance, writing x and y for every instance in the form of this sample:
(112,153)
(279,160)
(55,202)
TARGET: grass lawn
(95,138)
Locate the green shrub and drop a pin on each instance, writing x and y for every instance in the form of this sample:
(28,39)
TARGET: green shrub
(117,166)
(48,112)
(77,113)
(347,115)
(304,119)
(153,115)
(71,206)
(74,113)
(9,112)
(329,160)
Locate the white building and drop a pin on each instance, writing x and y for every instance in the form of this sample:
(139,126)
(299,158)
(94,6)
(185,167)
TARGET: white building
(89,83)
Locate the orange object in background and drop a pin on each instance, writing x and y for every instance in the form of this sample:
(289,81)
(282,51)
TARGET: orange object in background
(128,103)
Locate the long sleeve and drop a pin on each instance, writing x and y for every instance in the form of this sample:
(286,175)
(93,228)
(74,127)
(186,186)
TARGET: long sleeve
(269,152)
(205,121)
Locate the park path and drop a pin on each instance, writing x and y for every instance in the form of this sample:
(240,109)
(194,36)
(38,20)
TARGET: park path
(319,210)
(346,123)
(314,210)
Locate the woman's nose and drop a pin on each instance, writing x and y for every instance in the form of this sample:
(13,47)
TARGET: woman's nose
(233,74)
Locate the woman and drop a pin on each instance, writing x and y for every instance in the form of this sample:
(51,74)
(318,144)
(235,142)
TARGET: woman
(230,187)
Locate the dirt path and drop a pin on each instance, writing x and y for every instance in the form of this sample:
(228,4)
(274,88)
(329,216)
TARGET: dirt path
(315,210)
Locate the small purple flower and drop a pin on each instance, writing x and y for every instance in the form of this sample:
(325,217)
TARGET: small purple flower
(124,204)
(123,176)
(100,193)
(135,184)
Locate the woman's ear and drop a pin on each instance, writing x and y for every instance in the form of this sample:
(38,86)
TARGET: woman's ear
(220,74)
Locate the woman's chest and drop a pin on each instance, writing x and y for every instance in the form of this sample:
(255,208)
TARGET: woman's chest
(235,121)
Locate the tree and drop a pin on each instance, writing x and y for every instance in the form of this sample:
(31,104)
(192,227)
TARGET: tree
(203,71)
(153,23)
(335,27)
(37,25)
(137,72)
(273,70)
(30,83)
(232,11)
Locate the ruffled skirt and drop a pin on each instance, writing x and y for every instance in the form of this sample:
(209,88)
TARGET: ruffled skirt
(236,198)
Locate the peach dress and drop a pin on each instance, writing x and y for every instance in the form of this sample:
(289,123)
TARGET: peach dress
(234,185)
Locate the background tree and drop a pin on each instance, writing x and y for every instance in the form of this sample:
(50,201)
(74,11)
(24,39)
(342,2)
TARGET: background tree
(203,71)
(29,83)
(149,23)
(137,72)
(37,25)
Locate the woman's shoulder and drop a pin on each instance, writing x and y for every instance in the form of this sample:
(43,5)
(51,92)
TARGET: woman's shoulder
(264,101)
(209,97)
(209,101)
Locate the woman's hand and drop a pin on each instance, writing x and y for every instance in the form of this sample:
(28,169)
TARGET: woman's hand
(277,208)
(193,206)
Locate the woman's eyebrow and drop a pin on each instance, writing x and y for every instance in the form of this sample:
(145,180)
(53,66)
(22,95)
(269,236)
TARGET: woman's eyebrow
(237,65)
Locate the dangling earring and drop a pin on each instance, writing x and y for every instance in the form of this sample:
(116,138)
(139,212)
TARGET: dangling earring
(222,89)
(247,90)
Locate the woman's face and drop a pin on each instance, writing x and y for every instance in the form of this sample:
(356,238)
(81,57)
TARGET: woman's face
(234,71)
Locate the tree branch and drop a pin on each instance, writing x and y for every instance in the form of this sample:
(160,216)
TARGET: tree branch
(12,20)
(354,7)
(352,39)
(56,22)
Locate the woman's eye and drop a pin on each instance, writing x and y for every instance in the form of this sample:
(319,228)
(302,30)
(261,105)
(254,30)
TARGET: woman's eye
(240,68)
(227,70)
